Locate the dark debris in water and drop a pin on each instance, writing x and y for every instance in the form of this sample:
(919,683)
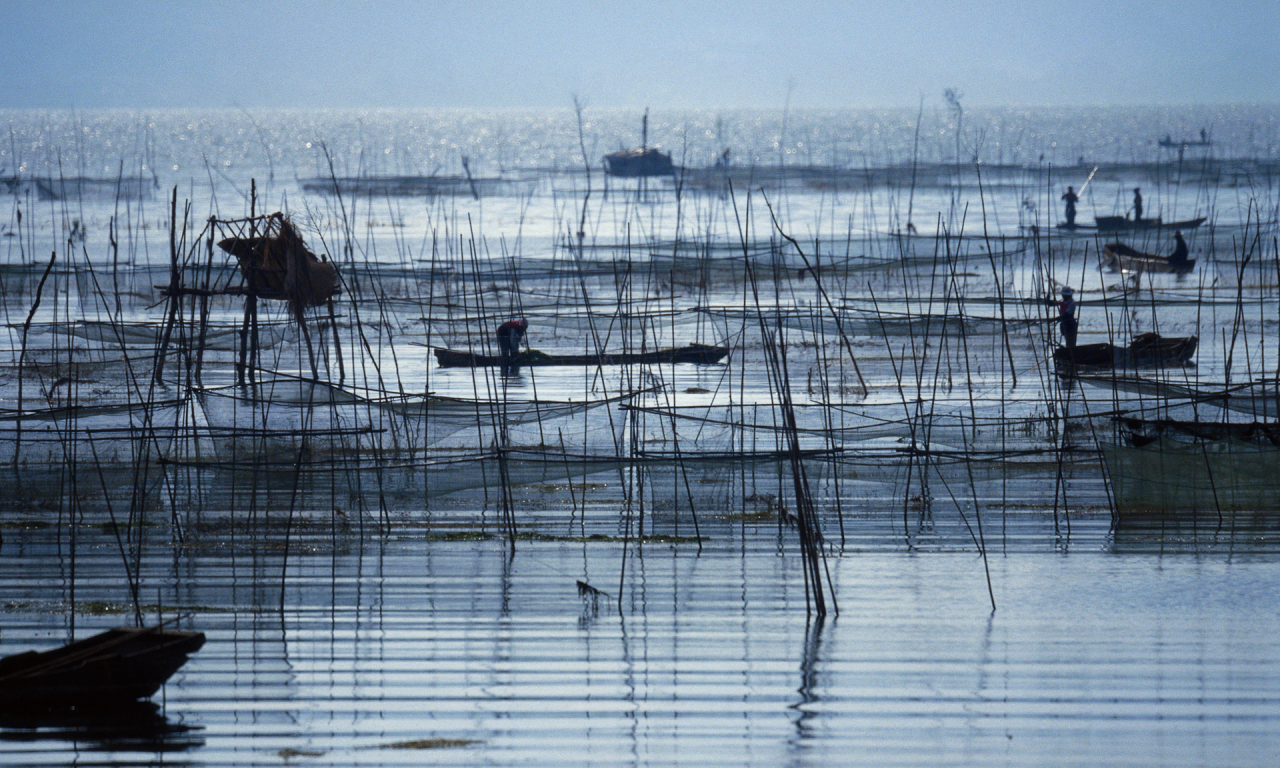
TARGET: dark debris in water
(429,744)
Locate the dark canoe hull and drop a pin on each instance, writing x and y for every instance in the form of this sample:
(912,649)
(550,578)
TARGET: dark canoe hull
(699,354)
(1120,257)
(1147,351)
(119,665)
(1120,223)
(637,163)
(1140,432)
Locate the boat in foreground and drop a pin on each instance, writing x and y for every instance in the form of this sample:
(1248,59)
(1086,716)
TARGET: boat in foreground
(1148,350)
(699,354)
(119,665)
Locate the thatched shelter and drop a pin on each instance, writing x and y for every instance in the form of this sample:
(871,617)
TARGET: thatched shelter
(278,265)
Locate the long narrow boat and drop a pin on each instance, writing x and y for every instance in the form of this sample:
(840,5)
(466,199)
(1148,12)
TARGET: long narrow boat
(1148,350)
(699,354)
(1121,223)
(1121,258)
(1139,432)
(119,665)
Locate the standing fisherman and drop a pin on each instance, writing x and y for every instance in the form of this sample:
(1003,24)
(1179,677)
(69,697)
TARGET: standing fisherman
(1071,199)
(1067,316)
(1178,260)
(1137,205)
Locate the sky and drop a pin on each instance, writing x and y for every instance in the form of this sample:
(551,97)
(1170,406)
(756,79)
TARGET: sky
(685,54)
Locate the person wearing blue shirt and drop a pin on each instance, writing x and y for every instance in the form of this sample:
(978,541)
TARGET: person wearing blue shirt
(1067,316)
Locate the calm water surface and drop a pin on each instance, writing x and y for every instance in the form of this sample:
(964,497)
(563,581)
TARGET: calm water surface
(388,643)
(376,614)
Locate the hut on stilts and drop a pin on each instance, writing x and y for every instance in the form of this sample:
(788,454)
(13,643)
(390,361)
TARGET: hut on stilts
(277,265)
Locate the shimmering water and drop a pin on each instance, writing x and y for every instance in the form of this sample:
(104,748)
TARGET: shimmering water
(625,587)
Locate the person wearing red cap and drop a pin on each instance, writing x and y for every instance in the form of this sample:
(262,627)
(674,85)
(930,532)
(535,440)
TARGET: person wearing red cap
(509,335)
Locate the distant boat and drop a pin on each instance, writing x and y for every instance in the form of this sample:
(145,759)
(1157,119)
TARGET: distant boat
(637,163)
(1168,142)
(699,354)
(1148,350)
(1120,257)
(119,665)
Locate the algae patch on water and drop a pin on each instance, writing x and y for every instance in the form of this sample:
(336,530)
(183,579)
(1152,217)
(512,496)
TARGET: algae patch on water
(430,744)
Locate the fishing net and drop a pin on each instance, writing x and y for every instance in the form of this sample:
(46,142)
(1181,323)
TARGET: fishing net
(1171,474)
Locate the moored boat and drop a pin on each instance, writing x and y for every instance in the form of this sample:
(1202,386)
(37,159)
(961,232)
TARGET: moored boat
(699,354)
(119,665)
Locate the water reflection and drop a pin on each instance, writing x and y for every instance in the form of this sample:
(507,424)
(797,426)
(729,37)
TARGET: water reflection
(1197,532)
(806,711)
(139,726)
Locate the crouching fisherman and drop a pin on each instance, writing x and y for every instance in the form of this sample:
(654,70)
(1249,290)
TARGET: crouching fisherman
(509,335)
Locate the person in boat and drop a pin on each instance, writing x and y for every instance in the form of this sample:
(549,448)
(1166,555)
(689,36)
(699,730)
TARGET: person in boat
(1067,316)
(1137,204)
(509,335)
(1179,257)
(1071,199)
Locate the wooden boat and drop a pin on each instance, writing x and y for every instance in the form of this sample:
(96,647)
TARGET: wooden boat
(1168,142)
(699,354)
(1119,257)
(1148,350)
(119,665)
(1123,223)
(1139,432)
(635,163)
